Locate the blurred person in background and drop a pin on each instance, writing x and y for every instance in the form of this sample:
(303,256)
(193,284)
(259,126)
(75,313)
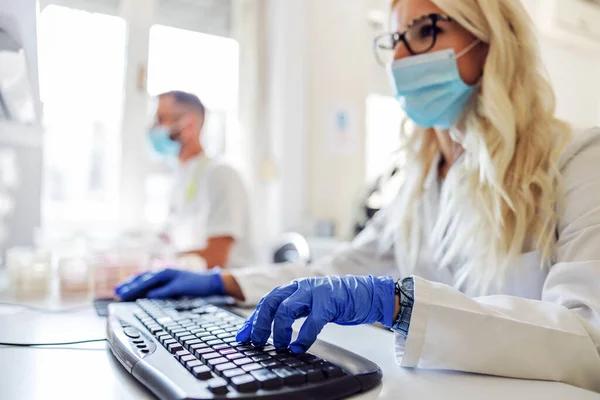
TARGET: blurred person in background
(209,213)
(488,259)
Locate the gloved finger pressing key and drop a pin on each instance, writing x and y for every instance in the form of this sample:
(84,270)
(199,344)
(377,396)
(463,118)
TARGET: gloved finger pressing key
(257,327)
(172,283)
(349,300)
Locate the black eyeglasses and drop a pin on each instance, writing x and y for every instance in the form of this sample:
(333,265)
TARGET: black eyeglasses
(419,37)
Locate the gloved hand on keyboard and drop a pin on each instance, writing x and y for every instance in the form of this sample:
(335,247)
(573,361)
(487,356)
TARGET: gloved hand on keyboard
(349,300)
(172,283)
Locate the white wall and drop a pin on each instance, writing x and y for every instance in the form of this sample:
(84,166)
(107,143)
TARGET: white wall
(316,61)
(575,76)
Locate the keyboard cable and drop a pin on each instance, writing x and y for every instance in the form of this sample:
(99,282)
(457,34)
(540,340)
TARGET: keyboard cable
(51,344)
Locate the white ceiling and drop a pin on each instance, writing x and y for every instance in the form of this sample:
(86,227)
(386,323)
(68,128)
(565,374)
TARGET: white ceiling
(207,16)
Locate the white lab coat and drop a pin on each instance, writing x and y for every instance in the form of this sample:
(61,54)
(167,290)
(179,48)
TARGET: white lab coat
(544,325)
(210,200)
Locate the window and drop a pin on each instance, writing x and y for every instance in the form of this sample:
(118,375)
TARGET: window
(207,66)
(81,64)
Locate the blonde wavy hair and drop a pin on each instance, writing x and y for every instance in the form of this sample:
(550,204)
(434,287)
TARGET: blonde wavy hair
(501,202)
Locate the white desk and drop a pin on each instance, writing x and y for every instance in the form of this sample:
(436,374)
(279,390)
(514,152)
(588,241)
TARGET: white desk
(27,373)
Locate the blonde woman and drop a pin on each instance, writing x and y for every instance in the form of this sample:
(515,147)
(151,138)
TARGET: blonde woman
(494,236)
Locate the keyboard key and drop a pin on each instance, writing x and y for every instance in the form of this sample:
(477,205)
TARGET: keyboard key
(244,383)
(232,329)
(271,363)
(202,372)
(226,350)
(262,357)
(199,345)
(155,329)
(181,353)
(216,361)
(160,334)
(252,353)
(242,361)
(212,328)
(307,357)
(218,332)
(225,335)
(293,363)
(213,342)
(164,320)
(267,379)
(209,356)
(217,385)
(187,358)
(187,338)
(132,333)
(174,347)
(189,343)
(230,373)
(174,332)
(331,371)
(229,339)
(318,363)
(200,352)
(193,364)
(224,367)
(290,376)
(244,347)
(205,338)
(251,367)
(314,375)
(234,356)
(196,331)
(221,346)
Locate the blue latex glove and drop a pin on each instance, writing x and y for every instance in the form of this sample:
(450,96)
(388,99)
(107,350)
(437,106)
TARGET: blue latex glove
(349,300)
(172,283)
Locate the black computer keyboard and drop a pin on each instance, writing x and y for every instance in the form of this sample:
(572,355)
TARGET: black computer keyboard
(186,349)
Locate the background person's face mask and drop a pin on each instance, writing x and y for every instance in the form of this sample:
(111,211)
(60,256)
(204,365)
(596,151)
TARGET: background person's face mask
(160,141)
(430,89)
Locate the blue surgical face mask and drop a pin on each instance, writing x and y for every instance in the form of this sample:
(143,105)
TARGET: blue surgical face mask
(430,89)
(160,141)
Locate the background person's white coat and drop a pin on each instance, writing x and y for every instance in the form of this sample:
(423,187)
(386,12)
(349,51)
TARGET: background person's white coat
(210,200)
(544,324)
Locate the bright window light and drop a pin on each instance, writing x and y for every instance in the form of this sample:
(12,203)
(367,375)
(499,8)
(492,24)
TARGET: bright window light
(81,64)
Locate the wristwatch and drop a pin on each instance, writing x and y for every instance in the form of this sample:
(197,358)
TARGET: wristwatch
(405,292)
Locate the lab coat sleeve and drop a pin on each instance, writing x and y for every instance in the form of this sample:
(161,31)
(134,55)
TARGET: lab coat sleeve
(228,203)
(364,256)
(555,339)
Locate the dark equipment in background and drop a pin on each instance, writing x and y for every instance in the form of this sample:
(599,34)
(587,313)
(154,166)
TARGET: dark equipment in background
(292,248)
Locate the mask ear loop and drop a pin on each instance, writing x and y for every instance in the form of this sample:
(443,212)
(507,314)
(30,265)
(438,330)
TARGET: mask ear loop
(468,48)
